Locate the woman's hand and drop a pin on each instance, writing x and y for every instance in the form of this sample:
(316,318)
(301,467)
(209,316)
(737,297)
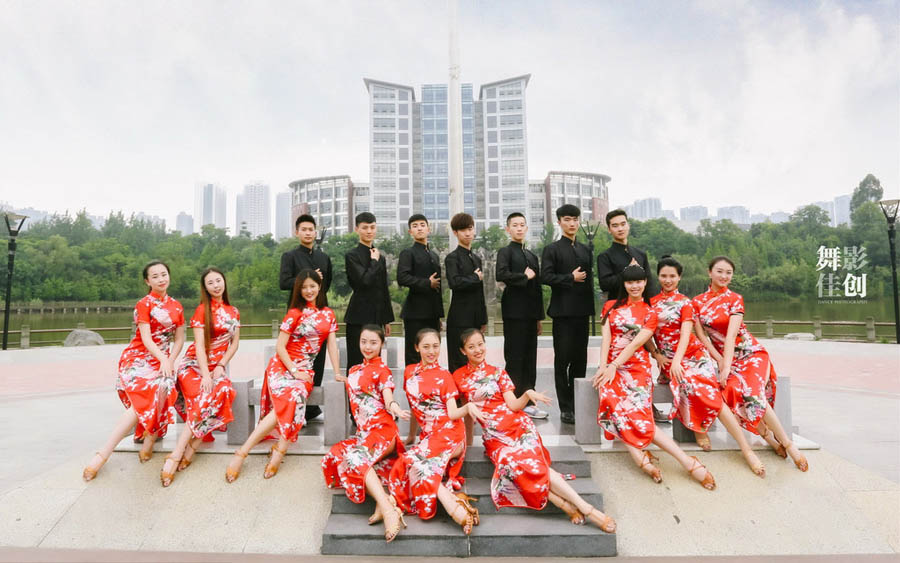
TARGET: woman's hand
(218,372)
(475,412)
(724,371)
(604,376)
(676,371)
(662,361)
(397,412)
(206,384)
(536,397)
(167,367)
(304,375)
(340,377)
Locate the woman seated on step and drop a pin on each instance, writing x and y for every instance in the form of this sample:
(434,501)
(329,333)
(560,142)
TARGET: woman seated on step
(429,471)
(363,462)
(288,382)
(685,364)
(625,381)
(522,473)
(746,374)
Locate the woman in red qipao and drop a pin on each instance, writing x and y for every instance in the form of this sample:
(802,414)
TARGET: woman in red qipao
(307,326)
(746,374)
(522,473)
(416,478)
(626,383)
(146,379)
(687,367)
(205,387)
(363,462)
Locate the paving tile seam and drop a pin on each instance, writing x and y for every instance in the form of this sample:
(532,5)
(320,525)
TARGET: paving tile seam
(63,515)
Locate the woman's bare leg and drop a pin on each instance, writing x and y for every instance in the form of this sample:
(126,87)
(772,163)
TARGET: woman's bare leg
(560,490)
(263,428)
(691,464)
(123,427)
(734,428)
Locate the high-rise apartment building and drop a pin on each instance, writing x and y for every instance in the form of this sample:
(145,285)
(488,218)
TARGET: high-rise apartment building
(184,223)
(253,210)
(284,227)
(586,190)
(694,213)
(737,214)
(330,199)
(209,206)
(842,210)
(649,208)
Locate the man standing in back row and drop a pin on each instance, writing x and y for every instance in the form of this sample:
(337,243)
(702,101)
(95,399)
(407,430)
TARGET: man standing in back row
(464,275)
(566,268)
(367,276)
(419,269)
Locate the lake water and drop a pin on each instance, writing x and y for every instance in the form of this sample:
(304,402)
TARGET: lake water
(881,310)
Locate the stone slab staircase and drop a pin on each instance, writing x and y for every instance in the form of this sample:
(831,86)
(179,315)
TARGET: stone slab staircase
(509,532)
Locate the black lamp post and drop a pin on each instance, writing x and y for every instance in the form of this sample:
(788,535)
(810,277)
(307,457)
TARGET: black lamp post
(14,224)
(321,238)
(590,228)
(889,207)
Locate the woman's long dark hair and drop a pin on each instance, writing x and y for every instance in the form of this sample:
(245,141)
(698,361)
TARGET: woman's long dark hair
(206,300)
(630,273)
(297,301)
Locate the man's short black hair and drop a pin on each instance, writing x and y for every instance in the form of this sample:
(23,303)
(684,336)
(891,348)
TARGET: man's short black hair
(305,218)
(513,215)
(365,217)
(567,210)
(416,217)
(615,213)
(461,221)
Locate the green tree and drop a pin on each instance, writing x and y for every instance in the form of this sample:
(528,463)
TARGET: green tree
(869,189)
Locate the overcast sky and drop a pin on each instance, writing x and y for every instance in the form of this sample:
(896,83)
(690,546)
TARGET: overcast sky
(123,105)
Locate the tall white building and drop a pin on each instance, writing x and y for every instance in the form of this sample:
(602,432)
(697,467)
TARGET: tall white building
(284,227)
(828,207)
(694,213)
(253,210)
(842,210)
(184,223)
(649,208)
(209,206)
(737,214)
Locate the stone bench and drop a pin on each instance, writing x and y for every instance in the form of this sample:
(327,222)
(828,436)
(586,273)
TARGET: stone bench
(331,396)
(587,401)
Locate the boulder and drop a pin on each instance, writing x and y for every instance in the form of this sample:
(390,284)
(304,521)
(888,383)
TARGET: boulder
(81,337)
(808,336)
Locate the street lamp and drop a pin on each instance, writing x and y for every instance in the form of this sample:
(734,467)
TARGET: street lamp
(14,224)
(590,228)
(321,238)
(889,207)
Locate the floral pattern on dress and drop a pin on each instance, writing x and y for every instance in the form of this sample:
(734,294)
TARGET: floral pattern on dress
(308,331)
(347,462)
(139,383)
(205,412)
(416,474)
(746,391)
(521,462)
(697,400)
(625,409)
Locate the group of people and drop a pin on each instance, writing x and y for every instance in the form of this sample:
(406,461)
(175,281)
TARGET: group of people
(714,366)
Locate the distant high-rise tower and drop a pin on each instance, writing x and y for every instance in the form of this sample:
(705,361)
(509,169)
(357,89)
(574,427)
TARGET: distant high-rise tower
(283,226)
(209,206)
(253,210)
(184,223)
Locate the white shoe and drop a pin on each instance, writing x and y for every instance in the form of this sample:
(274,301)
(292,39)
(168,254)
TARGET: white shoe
(535,412)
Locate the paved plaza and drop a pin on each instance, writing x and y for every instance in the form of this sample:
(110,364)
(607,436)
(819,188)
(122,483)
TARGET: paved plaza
(58,404)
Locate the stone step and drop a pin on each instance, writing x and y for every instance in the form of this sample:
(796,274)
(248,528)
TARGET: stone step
(349,534)
(538,535)
(481,489)
(565,459)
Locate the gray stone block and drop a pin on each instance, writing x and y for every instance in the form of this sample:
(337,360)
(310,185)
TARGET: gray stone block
(587,401)
(681,433)
(538,535)
(564,459)
(337,413)
(350,534)
(783,403)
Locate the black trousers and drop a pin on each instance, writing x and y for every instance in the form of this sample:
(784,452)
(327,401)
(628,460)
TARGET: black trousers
(411,327)
(354,356)
(313,411)
(520,352)
(570,342)
(455,357)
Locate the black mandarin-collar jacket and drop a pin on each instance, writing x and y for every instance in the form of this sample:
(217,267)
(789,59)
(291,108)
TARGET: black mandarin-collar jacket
(414,268)
(301,258)
(613,260)
(370,302)
(522,298)
(567,298)
(467,307)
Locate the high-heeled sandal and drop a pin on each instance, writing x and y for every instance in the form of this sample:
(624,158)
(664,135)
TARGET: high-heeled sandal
(708,481)
(376,516)
(185,460)
(392,532)
(89,472)
(467,520)
(800,459)
(575,515)
(272,469)
(758,468)
(166,478)
(467,500)
(232,475)
(773,441)
(606,523)
(653,471)
(702,439)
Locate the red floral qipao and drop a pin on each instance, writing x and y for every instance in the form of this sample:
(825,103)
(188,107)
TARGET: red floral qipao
(348,461)
(308,331)
(697,399)
(521,462)
(140,384)
(626,402)
(746,389)
(418,472)
(211,411)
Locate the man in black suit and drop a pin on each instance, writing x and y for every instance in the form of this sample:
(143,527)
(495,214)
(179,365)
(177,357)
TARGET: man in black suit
(467,307)
(566,268)
(419,269)
(307,257)
(370,302)
(522,307)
